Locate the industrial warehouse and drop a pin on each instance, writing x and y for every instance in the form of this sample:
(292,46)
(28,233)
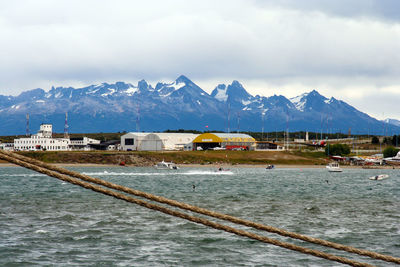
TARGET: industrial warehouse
(157,141)
(228,141)
(186,141)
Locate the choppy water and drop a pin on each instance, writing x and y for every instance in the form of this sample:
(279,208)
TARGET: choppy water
(44,221)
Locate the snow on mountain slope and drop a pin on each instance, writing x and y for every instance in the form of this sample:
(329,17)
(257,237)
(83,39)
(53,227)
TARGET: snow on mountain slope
(180,104)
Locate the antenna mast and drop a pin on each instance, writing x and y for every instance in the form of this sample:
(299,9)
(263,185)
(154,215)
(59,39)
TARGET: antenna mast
(229,111)
(287,130)
(66,126)
(138,112)
(262,126)
(27,125)
(238,121)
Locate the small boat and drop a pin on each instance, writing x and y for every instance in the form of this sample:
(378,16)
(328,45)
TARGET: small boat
(270,167)
(220,169)
(334,167)
(163,165)
(379,177)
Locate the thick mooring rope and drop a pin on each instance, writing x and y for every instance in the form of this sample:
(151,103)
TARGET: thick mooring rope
(207,212)
(165,210)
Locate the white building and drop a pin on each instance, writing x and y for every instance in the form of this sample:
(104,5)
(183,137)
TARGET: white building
(7,146)
(83,143)
(42,141)
(157,141)
(132,141)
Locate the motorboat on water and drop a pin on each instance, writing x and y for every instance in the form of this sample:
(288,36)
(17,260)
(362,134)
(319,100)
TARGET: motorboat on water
(220,169)
(379,177)
(270,167)
(334,167)
(164,165)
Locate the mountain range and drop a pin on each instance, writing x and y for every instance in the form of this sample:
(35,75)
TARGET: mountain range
(180,104)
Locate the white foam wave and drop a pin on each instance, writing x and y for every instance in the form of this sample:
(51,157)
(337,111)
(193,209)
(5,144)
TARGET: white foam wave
(209,173)
(166,173)
(24,175)
(337,232)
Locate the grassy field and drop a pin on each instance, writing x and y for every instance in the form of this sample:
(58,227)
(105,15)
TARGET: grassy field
(181,157)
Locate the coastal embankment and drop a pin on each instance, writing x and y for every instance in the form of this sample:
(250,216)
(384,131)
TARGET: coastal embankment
(134,158)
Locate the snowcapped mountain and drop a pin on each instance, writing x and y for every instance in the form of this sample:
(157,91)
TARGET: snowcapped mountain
(234,94)
(180,104)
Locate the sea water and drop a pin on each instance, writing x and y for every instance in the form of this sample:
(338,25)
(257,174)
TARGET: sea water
(48,222)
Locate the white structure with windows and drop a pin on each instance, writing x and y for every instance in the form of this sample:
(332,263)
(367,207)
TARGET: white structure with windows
(157,141)
(83,143)
(7,146)
(42,141)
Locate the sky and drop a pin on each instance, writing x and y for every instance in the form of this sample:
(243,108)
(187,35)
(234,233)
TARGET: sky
(347,49)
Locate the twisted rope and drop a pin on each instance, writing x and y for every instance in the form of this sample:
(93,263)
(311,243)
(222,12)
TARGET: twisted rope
(217,215)
(198,220)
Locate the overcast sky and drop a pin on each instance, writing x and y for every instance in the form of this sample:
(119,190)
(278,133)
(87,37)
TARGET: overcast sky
(348,49)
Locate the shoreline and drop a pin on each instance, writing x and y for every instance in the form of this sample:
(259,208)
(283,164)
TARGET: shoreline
(213,166)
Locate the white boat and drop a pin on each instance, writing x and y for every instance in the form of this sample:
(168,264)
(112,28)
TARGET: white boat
(220,169)
(379,177)
(334,167)
(163,165)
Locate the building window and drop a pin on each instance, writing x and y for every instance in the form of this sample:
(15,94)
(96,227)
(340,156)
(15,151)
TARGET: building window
(129,141)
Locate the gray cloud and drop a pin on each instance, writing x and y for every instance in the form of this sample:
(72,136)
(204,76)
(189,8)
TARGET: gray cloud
(289,46)
(386,10)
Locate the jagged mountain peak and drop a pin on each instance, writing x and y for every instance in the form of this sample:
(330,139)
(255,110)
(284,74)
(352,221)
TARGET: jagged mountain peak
(311,100)
(314,93)
(32,94)
(237,89)
(144,86)
(233,93)
(184,79)
(180,87)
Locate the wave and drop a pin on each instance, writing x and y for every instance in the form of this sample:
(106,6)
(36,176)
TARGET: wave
(166,173)
(209,173)
(23,175)
(40,231)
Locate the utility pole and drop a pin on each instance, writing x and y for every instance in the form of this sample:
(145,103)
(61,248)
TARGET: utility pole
(238,121)
(66,126)
(27,125)
(138,113)
(229,113)
(262,126)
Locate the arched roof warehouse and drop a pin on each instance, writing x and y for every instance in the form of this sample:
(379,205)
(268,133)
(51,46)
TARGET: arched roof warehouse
(156,141)
(224,140)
